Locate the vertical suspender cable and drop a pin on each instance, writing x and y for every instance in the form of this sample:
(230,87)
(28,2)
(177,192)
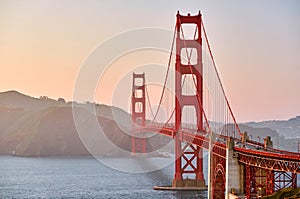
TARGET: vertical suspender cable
(215,67)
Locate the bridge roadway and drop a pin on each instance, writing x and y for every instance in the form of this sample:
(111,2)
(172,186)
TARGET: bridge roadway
(249,152)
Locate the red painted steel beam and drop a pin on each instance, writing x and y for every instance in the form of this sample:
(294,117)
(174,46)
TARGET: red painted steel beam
(269,163)
(268,154)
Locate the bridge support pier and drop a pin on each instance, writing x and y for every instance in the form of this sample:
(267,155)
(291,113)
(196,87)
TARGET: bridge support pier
(234,171)
(210,166)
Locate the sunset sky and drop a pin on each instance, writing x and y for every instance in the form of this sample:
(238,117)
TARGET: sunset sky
(256,45)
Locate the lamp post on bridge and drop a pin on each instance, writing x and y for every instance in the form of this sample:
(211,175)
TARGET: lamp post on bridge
(258,138)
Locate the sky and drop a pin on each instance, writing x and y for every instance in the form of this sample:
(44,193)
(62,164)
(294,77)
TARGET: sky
(256,45)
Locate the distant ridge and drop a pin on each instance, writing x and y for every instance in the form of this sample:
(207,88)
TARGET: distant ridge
(288,128)
(45,127)
(15,99)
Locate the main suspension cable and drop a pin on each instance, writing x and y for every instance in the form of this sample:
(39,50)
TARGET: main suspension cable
(166,77)
(149,103)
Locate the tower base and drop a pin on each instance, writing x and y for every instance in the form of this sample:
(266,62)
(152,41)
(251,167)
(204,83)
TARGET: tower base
(139,155)
(188,183)
(184,185)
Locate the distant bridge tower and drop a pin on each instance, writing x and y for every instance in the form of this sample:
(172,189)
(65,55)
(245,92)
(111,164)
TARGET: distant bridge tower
(138,113)
(188,159)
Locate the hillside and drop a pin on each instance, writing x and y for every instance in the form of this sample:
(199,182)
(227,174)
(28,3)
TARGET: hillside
(288,128)
(15,99)
(279,141)
(285,193)
(45,127)
(285,133)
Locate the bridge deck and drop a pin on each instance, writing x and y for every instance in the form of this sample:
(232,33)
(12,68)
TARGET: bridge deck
(250,152)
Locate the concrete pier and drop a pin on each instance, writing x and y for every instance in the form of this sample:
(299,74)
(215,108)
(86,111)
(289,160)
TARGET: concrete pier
(171,188)
(234,171)
(186,183)
(210,163)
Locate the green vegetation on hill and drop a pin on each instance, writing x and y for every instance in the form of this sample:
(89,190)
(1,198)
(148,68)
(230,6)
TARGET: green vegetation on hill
(285,194)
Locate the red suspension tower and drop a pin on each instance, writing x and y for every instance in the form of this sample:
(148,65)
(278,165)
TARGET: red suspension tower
(189,159)
(138,113)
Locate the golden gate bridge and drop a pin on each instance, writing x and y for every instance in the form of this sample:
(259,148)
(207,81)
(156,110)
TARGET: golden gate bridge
(237,164)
